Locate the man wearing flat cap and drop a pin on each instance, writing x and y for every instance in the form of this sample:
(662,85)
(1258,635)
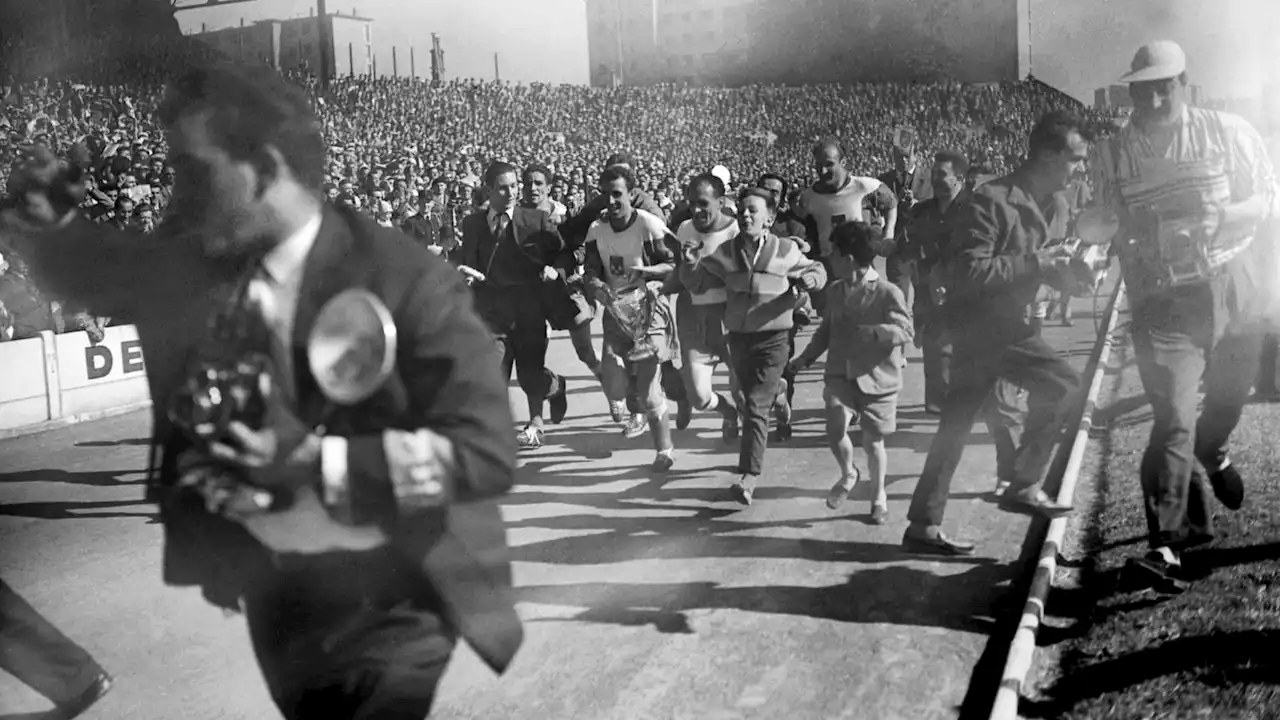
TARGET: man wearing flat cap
(1189,189)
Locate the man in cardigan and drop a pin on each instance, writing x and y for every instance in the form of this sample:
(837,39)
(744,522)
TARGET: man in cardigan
(761,274)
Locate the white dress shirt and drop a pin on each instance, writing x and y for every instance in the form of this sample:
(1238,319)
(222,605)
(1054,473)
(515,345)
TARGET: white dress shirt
(306,527)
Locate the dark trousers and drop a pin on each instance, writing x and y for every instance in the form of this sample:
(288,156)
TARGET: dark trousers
(37,653)
(517,318)
(1266,381)
(935,346)
(758,358)
(980,362)
(348,635)
(1177,342)
(1005,414)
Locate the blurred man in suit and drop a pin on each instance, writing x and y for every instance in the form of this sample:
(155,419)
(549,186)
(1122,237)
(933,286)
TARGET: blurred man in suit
(382,542)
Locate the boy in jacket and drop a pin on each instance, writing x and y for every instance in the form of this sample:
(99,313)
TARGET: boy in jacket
(863,333)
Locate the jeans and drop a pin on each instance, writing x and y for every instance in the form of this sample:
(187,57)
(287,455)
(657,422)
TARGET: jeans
(1177,342)
(981,361)
(759,358)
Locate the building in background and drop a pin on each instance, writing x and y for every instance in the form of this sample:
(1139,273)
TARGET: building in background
(294,44)
(738,42)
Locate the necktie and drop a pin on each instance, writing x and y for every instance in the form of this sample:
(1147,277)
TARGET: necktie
(499,225)
(263,292)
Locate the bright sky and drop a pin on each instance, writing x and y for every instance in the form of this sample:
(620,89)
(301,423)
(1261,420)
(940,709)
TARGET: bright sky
(1077,45)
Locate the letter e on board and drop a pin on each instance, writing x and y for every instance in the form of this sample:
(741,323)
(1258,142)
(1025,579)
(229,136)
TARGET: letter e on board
(131,356)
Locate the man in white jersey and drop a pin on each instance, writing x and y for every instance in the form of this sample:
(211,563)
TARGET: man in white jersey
(627,255)
(700,316)
(838,196)
(1190,189)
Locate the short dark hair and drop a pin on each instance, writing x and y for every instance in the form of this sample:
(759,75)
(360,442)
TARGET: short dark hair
(769,201)
(536,167)
(622,158)
(615,172)
(251,108)
(1052,130)
(496,170)
(959,162)
(829,141)
(717,185)
(786,186)
(859,240)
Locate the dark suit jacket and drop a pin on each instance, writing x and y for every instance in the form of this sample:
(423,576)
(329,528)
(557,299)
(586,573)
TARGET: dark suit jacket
(538,244)
(447,379)
(996,238)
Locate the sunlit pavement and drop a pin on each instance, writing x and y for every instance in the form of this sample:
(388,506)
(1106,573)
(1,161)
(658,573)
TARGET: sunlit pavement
(644,596)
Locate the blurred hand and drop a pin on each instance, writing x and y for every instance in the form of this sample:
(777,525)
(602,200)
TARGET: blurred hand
(44,193)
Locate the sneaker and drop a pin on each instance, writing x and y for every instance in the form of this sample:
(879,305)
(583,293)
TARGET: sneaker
(664,461)
(618,410)
(637,426)
(530,438)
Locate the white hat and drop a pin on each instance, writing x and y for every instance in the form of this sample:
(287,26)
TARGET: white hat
(721,172)
(1157,60)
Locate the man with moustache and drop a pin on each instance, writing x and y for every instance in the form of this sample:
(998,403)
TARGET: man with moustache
(700,316)
(1001,262)
(1191,189)
(360,541)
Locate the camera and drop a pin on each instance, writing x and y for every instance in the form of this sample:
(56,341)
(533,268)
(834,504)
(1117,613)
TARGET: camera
(218,393)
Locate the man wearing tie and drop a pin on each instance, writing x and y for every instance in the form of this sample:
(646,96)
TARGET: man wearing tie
(517,248)
(382,543)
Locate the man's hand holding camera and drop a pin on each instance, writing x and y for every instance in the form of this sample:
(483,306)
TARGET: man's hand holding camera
(256,468)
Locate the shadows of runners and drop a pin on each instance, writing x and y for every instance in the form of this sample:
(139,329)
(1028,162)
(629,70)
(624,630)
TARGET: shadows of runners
(78,510)
(92,478)
(898,595)
(1247,657)
(131,442)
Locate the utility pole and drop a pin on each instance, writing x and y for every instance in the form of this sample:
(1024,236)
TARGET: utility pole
(437,59)
(496,76)
(413,69)
(617,33)
(395,67)
(326,44)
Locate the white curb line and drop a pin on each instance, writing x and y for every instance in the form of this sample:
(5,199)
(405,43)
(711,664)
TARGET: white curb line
(1022,648)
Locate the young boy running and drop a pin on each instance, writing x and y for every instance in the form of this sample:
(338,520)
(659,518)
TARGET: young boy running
(866,325)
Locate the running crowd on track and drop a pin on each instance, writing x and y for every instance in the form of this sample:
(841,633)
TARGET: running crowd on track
(411,154)
(622,201)
(702,228)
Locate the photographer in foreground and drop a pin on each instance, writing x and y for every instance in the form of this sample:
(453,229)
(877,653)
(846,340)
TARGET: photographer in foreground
(1189,188)
(360,538)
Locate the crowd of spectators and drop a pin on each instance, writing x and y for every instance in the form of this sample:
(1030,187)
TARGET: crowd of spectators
(400,149)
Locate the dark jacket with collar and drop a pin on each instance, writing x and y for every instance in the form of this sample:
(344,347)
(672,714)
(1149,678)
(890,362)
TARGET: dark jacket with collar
(995,239)
(447,379)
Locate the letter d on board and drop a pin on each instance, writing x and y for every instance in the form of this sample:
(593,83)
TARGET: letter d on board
(97,361)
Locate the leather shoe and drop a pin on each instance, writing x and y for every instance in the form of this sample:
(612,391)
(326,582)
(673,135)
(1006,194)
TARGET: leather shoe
(937,544)
(1034,501)
(99,687)
(1228,487)
(558,404)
